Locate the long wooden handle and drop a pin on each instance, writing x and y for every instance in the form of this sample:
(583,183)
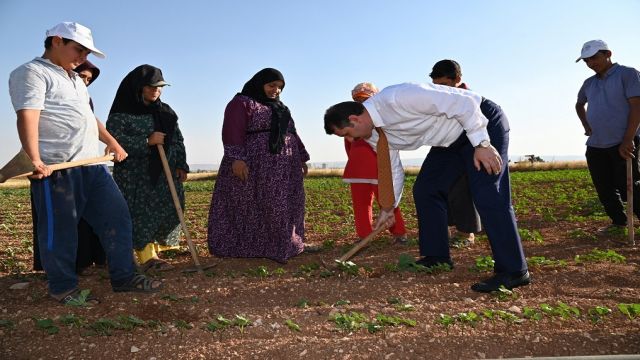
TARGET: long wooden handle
(71,164)
(176,203)
(362,244)
(630,228)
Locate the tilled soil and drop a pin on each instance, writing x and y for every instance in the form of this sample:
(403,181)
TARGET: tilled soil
(310,291)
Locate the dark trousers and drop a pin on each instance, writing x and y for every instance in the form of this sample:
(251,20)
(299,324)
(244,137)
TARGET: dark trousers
(60,201)
(609,176)
(462,212)
(491,195)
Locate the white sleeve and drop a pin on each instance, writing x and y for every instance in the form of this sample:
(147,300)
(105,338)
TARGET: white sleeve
(461,105)
(397,175)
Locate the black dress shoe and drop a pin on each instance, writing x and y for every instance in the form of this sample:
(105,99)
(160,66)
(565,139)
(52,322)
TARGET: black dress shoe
(431,261)
(508,280)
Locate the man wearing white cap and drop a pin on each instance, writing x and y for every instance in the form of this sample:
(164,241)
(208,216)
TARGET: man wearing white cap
(56,124)
(611,122)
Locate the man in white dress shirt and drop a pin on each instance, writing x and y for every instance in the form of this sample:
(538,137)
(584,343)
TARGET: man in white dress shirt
(470,135)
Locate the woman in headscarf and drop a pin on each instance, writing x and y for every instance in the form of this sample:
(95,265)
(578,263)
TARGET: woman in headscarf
(140,121)
(90,250)
(257,208)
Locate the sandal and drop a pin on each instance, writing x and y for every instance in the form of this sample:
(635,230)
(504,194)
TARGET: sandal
(156,265)
(78,298)
(140,283)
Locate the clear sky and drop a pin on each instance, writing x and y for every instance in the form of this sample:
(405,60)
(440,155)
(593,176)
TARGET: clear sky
(520,54)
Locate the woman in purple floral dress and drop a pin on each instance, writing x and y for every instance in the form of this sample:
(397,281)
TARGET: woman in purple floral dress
(257,208)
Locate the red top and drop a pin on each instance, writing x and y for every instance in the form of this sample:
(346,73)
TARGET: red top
(362,161)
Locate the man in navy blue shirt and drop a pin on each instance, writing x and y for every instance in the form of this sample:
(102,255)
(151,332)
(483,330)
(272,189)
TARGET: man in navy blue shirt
(610,120)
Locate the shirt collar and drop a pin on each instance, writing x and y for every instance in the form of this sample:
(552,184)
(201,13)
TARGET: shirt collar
(614,67)
(48,62)
(373,112)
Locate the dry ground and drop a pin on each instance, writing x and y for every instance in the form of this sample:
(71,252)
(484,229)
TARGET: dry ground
(182,321)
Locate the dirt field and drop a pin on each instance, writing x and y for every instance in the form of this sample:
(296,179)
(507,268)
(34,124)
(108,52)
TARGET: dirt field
(378,308)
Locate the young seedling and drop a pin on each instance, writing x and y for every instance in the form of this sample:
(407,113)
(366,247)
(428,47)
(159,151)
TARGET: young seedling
(470,318)
(531,313)
(302,303)
(394,300)
(386,320)
(350,322)
(72,320)
(597,314)
(597,255)
(181,324)
(81,301)
(47,326)
(306,270)
(7,324)
(484,264)
(170,297)
(241,321)
(130,322)
(348,267)
(542,261)
(504,294)
(562,310)
(259,272)
(104,326)
(529,235)
(292,325)
(406,262)
(328,244)
(446,321)
(508,317)
(629,310)
(489,314)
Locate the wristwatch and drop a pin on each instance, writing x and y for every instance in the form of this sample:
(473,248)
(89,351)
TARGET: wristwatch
(483,144)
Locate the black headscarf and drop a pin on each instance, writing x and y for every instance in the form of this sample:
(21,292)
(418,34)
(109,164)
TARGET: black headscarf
(128,100)
(280,115)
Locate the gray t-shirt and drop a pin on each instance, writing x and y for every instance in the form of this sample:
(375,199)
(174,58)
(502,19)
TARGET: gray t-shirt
(608,104)
(67,129)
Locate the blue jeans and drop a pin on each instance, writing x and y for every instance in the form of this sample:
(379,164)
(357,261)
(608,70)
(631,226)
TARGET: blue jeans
(491,196)
(61,200)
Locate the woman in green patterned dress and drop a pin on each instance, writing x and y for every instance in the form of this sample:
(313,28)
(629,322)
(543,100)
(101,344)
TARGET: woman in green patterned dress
(140,121)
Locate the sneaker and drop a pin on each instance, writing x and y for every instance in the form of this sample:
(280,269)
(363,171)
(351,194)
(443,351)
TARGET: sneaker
(508,280)
(462,240)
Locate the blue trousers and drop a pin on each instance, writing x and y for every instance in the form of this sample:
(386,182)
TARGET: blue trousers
(491,194)
(60,201)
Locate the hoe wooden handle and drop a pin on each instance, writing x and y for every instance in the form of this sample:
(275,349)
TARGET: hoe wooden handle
(362,244)
(71,164)
(630,228)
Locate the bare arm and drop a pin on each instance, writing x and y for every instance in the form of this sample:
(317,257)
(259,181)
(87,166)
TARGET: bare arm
(27,123)
(582,115)
(626,149)
(112,144)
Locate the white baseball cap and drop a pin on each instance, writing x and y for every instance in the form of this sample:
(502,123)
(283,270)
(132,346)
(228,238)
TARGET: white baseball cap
(590,48)
(78,33)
